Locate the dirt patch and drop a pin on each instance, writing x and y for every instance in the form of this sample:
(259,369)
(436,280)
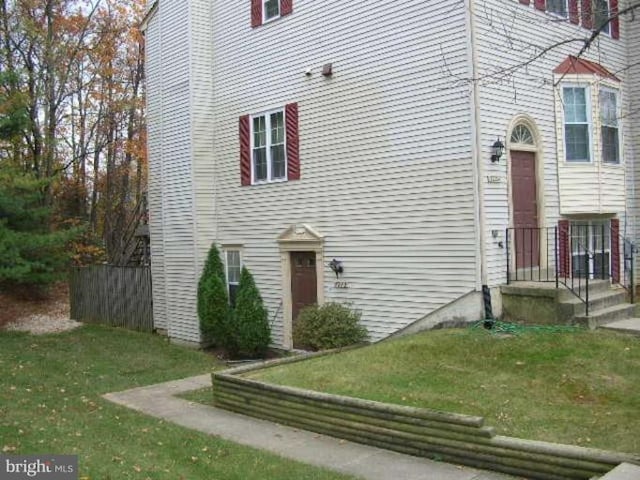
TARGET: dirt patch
(36,311)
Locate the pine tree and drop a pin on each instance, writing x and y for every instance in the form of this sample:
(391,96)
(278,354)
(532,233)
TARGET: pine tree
(213,301)
(251,323)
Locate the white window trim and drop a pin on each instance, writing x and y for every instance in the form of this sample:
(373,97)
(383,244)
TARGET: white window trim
(267,114)
(264,12)
(616,92)
(589,108)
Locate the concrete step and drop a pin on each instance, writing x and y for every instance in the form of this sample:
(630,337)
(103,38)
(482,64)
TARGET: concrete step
(624,471)
(598,318)
(630,325)
(597,301)
(595,287)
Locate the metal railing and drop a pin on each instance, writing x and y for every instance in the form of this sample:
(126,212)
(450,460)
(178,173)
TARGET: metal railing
(563,256)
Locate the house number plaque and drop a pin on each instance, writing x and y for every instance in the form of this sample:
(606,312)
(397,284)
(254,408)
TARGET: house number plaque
(494,179)
(342,285)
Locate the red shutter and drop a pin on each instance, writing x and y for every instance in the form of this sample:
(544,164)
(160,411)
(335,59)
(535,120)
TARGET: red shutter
(256,13)
(293,142)
(587,14)
(286,7)
(615,250)
(525,2)
(245,150)
(615,20)
(573,12)
(564,251)
(540,4)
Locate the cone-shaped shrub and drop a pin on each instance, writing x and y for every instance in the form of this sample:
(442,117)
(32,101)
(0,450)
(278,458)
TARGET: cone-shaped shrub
(213,302)
(251,324)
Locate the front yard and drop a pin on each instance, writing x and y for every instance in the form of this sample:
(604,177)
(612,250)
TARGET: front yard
(577,387)
(50,402)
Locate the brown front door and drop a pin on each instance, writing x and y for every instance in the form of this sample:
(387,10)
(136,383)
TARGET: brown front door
(303,283)
(525,209)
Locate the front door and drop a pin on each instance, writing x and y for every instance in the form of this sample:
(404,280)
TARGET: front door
(303,283)
(525,209)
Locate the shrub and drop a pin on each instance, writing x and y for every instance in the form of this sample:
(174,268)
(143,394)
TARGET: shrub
(213,302)
(331,325)
(250,319)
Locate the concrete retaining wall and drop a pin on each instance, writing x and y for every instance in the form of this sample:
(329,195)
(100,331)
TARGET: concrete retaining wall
(460,439)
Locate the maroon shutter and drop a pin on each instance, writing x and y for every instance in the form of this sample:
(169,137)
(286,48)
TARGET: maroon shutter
(615,250)
(540,4)
(587,14)
(293,142)
(564,251)
(286,7)
(245,150)
(525,2)
(615,20)
(256,13)
(573,12)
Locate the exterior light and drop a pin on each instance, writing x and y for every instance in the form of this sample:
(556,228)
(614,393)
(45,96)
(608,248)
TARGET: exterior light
(336,266)
(497,150)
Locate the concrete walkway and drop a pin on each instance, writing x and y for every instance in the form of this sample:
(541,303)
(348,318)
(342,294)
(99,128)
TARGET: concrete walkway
(307,447)
(630,325)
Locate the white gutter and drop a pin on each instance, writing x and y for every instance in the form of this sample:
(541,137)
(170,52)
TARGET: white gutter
(476,149)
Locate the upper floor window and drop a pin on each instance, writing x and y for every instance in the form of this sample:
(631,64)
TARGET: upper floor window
(609,126)
(601,16)
(269,146)
(263,11)
(269,158)
(576,124)
(558,7)
(270,9)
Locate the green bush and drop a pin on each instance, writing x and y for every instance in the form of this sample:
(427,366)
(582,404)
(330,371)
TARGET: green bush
(213,302)
(331,325)
(250,319)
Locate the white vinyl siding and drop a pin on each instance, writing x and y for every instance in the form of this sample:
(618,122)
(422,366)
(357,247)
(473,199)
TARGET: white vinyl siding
(506,32)
(385,151)
(153,70)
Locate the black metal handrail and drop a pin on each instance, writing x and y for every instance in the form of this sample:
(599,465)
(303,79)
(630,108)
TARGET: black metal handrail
(546,254)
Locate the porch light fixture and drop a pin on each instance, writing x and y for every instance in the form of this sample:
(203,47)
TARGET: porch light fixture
(336,266)
(497,150)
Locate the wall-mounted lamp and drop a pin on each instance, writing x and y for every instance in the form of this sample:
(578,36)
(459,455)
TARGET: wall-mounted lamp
(497,150)
(336,266)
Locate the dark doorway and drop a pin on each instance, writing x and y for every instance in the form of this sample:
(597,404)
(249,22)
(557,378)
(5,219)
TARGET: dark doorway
(525,209)
(303,284)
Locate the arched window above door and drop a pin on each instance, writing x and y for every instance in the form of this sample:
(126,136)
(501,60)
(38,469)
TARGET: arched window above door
(522,135)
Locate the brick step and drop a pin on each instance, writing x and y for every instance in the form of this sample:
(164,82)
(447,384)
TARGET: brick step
(602,317)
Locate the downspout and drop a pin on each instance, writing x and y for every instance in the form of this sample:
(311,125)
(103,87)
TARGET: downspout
(476,153)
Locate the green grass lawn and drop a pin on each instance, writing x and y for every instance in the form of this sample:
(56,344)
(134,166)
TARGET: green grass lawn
(579,388)
(50,402)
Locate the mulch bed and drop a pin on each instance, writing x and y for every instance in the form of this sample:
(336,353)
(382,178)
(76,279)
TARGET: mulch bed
(17,302)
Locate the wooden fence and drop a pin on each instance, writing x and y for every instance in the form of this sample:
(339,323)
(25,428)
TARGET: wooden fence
(109,295)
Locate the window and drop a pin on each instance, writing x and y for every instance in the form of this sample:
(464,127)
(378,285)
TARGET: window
(269,161)
(576,124)
(521,135)
(270,146)
(263,11)
(601,16)
(233,270)
(558,7)
(593,237)
(609,126)
(271,9)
